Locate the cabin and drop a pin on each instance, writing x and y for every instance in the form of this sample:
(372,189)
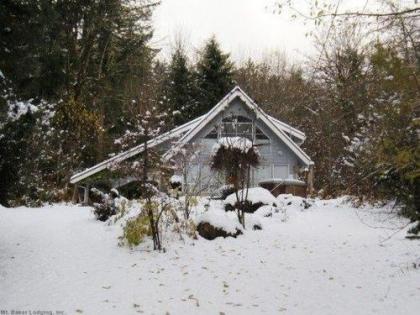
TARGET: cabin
(284,166)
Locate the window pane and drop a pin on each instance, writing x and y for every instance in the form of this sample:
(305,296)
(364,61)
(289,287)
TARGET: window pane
(236,119)
(281,171)
(212,134)
(244,128)
(260,135)
(228,130)
(243,119)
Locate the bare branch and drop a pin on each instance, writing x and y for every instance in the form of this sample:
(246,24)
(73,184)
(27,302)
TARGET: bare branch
(369,14)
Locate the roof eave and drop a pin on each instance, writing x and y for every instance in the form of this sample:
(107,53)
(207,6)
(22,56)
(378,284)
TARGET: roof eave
(132,152)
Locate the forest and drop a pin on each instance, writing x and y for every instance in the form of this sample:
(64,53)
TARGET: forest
(74,75)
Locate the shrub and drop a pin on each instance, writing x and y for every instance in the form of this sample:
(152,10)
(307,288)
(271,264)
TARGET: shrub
(106,207)
(136,229)
(103,211)
(415,229)
(131,190)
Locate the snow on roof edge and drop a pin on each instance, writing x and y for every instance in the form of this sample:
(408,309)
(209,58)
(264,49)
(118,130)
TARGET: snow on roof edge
(133,151)
(287,128)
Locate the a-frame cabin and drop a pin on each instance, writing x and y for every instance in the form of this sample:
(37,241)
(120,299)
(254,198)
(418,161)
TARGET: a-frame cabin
(284,167)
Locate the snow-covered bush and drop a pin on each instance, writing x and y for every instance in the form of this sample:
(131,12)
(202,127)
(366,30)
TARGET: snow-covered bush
(415,229)
(106,207)
(162,213)
(122,208)
(175,181)
(253,198)
(212,224)
(103,211)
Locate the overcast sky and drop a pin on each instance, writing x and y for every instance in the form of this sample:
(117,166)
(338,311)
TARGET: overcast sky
(243,27)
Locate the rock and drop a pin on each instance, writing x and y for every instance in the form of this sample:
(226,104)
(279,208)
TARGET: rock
(253,221)
(210,232)
(305,204)
(256,226)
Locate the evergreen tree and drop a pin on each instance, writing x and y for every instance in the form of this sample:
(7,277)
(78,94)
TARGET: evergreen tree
(15,142)
(214,76)
(180,88)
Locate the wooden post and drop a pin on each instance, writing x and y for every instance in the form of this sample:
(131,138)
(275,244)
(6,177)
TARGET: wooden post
(311,180)
(86,196)
(75,197)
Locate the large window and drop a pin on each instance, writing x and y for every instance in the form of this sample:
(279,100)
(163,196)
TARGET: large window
(236,126)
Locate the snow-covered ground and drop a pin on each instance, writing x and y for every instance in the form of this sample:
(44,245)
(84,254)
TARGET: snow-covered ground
(328,259)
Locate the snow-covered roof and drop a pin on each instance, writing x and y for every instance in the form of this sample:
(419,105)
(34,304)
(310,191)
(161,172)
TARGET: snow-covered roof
(187,131)
(176,132)
(287,128)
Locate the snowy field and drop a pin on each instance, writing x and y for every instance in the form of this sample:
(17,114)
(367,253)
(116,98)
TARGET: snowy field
(328,259)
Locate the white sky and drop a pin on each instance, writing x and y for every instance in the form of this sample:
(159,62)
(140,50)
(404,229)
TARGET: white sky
(244,28)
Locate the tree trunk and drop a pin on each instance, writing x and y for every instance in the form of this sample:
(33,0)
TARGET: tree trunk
(310,181)
(153,223)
